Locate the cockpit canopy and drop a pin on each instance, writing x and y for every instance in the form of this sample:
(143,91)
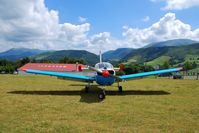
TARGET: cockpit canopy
(104,65)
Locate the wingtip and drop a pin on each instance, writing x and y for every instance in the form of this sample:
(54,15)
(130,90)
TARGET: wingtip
(180,69)
(24,70)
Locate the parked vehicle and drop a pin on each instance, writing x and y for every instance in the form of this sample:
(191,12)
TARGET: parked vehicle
(177,76)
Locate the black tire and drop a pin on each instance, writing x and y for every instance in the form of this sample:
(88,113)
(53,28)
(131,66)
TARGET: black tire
(120,89)
(101,95)
(86,89)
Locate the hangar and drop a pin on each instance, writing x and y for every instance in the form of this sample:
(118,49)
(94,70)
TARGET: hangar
(54,67)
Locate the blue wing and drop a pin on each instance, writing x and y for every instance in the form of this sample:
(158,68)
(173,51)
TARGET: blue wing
(62,75)
(137,75)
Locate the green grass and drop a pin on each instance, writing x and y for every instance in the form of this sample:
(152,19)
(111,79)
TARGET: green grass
(133,60)
(193,71)
(158,61)
(192,58)
(189,58)
(42,104)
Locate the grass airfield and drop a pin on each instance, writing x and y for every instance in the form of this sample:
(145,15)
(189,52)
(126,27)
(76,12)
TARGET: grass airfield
(44,104)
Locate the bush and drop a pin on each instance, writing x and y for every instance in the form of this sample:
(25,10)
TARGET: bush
(136,68)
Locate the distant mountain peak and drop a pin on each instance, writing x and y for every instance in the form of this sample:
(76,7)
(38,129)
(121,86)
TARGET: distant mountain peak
(174,42)
(14,54)
(116,54)
(55,56)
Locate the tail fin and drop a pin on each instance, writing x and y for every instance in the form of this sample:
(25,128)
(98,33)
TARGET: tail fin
(100,54)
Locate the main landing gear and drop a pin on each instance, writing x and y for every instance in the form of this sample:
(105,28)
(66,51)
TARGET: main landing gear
(119,88)
(87,87)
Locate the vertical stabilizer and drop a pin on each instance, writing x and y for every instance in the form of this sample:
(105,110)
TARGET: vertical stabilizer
(100,54)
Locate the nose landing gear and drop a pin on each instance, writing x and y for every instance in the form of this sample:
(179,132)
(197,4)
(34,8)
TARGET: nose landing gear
(102,95)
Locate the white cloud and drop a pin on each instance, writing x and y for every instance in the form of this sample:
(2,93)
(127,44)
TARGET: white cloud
(178,4)
(74,33)
(146,19)
(82,19)
(166,28)
(30,24)
(125,27)
(102,41)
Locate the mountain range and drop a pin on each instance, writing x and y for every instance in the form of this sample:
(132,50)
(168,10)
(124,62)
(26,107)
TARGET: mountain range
(116,55)
(55,56)
(175,42)
(175,51)
(123,53)
(175,54)
(19,53)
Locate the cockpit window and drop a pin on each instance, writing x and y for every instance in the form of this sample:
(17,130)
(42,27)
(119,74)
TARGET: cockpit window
(103,66)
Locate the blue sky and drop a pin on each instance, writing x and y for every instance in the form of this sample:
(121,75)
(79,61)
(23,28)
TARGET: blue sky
(95,24)
(112,15)
(105,15)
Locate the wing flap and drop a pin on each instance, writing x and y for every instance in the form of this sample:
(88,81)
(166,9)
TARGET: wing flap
(137,75)
(63,75)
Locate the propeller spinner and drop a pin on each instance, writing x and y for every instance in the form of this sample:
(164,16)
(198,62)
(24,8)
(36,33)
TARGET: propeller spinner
(105,73)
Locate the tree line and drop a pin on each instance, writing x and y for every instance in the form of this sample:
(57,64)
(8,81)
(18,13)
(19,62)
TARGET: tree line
(7,66)
(137,68)
(10,67)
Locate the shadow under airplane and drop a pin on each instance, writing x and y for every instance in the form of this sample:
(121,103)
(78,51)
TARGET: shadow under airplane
(91,96)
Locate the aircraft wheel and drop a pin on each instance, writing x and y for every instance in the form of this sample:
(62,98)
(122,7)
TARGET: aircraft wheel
(120,89)
(102,95)
(86,89)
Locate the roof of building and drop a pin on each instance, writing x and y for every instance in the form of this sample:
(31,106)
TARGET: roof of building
(51,67)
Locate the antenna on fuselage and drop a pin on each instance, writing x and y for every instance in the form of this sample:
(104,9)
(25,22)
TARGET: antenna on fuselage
(100,54)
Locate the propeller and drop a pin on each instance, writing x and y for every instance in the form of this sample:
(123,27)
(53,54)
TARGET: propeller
(94,69)
(104,73)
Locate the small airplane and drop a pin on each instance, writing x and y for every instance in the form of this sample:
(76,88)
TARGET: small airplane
(105,75)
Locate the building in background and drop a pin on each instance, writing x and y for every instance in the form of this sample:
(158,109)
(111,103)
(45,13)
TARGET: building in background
(68,68)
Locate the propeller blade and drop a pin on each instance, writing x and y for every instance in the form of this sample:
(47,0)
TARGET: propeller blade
(94,69)
(118,79)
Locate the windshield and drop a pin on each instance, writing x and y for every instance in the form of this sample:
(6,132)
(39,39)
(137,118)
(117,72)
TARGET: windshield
(103,66)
